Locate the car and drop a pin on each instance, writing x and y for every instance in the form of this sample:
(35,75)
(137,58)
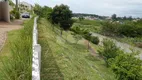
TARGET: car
(26,15)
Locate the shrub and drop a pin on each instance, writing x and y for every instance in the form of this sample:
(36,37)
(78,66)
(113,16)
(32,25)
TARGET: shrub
(109,50)
(87,36)
(127,66)
(15,14)
(78,30)
(128,29)
(95,40)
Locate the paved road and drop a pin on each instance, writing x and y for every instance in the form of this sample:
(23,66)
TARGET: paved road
(124,46)
(5,27)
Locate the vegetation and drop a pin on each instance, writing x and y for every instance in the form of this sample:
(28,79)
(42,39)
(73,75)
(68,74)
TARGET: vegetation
(84,33)
(108,51)
(15,14)
(126,66)
(67,57)
(113,17)
(63,59)
(62,15)
(17,64)
(11,3)
(37,9)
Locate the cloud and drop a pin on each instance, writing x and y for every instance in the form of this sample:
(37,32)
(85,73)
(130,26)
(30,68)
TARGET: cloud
(100,7)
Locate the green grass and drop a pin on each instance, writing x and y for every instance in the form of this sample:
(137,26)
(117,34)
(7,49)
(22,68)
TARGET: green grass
(63,59)
(89,22)
(91,25)
(16,56)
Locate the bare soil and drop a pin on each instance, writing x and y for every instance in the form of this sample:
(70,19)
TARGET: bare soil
(5,27)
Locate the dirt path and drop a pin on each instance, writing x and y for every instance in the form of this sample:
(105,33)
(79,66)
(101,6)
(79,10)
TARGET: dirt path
(5,27)
(124,46)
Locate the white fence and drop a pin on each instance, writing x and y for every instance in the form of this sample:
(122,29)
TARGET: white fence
(36,53)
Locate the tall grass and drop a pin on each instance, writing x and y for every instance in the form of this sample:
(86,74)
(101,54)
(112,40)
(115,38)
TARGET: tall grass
(18,66)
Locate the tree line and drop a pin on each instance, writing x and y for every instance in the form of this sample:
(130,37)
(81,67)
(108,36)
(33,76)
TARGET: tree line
(60,15)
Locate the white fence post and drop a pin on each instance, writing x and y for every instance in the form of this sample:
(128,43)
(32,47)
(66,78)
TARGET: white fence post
(36,62)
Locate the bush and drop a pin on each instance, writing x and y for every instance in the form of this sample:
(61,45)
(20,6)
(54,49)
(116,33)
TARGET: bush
(128,29)
(15,14)
(109,51)
(78,30)
(127,66)
(95,40)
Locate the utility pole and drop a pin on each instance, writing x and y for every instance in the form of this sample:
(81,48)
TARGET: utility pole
(17,5)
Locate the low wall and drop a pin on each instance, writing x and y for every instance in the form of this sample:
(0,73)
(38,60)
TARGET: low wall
(36,53)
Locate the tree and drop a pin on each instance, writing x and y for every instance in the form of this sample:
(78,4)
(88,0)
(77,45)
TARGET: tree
(114,16)
(81,18)
(62,15)
(11,3)
(46,12)
(37,9)
(130,18)
(124,17)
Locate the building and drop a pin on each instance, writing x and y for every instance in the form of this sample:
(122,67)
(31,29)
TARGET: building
(4,11)
(24,7)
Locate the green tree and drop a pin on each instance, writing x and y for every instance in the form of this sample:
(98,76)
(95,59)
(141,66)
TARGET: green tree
(46,12)
(81,18)
(114,16)
(62,15)
(11,3)
(124,17)
(37,9)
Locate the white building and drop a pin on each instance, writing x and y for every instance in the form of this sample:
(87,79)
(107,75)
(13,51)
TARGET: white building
(24,6)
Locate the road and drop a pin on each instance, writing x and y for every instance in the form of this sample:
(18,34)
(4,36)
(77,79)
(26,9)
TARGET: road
(124,46)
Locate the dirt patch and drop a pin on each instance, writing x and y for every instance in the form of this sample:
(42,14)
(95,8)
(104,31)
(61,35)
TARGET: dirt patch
(5,27)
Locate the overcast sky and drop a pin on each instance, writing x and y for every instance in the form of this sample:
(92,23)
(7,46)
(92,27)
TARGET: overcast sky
(100,7)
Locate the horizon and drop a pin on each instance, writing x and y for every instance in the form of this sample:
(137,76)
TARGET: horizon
(120,8)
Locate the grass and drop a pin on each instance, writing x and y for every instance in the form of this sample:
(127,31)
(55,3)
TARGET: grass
(16,56)
(63,59)
(91,25)
(89,22)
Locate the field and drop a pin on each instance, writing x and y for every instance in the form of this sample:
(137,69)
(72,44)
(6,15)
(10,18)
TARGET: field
(63,59)
(96,26)
(91,25)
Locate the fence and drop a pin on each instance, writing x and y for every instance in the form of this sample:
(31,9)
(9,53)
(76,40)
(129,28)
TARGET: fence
(36,53)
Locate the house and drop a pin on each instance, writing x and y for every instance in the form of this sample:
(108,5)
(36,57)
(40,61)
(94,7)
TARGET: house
(24,7)
(4,11)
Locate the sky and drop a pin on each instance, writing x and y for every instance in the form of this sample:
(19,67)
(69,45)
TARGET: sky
(100,7)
